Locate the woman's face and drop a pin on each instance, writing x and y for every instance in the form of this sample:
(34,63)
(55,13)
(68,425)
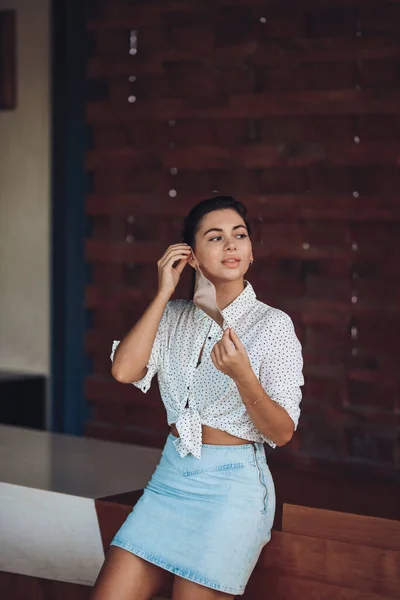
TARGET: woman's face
(223,235)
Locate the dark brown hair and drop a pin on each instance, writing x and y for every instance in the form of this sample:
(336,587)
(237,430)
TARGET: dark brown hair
(193,220)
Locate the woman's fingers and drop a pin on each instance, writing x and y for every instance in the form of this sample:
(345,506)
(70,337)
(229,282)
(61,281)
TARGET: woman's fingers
(227,344)
(174,253)
(172,250)
(181,265)
(216,353)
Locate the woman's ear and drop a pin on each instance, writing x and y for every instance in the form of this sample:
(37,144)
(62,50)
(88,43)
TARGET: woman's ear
(191,261)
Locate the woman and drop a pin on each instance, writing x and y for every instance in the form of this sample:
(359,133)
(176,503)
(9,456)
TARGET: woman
(209,507)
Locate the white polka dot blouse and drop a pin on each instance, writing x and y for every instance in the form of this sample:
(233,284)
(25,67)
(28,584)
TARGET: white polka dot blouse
(201,394)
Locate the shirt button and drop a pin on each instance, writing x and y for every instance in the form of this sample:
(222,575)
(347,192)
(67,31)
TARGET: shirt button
(209,337)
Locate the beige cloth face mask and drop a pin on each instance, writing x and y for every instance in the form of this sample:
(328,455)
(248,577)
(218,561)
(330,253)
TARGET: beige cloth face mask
(205,297)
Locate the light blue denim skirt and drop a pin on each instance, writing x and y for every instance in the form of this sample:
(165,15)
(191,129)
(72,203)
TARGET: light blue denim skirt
(204,520)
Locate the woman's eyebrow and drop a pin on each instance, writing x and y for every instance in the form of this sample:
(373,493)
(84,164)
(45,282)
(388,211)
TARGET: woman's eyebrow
(217,229)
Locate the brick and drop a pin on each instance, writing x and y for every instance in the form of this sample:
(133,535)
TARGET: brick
(318,76)
(382,294)
(203,131)
(151,40)
(152,437)
(197,36)
(322,440)
(286,180)
(267,52)
(147,418)
(135,181)
(194,85)
(380,19)
(326,234)
(327,345)
(108,413)
(108,136)
(278,284)
(269,79)
(106,320)
(364,446)
(331,22)
(145,86)
(330,76)
(116,42)
(312,129)
(345,102)
(104,274)
(226,181)
(335,207)
(100,363)
(336,290)
(124,158)
(246,156)
(378,127)
(234,80)
(382,237)
(106,389)
(378,335)
(371,396)
(112,42)
(231,32)
(321,392)
(280,26)
(379,74)
(373,269)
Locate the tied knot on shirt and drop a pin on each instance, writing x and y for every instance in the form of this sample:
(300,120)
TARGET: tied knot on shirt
(190,433)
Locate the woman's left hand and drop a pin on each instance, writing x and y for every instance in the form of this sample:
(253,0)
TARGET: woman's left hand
(230,356)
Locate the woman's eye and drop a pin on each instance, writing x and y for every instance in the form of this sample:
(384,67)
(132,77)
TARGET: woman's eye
(218,237)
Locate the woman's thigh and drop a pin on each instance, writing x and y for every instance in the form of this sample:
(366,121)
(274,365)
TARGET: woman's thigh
(184,589)
(125,576)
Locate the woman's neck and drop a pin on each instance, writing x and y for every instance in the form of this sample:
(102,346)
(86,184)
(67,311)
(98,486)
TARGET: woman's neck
(227,292)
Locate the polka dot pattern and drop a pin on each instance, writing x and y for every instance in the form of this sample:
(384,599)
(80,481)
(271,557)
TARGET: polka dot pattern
(195,395)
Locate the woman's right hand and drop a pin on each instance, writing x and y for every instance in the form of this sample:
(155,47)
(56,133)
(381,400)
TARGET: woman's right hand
(168,276)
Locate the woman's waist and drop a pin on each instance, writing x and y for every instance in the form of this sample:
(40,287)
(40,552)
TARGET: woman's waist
(217,437)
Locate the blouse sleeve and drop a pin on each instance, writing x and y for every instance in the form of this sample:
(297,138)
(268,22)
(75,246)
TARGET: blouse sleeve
(281,371)
(153,364)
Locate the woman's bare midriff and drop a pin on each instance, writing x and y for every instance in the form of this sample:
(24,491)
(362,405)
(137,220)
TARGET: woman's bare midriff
(216,436)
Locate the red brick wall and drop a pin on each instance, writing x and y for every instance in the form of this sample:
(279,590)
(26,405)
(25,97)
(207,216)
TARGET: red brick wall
(293,107)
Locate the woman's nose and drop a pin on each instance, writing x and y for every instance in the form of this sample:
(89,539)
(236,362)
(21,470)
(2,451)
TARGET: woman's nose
(231,245)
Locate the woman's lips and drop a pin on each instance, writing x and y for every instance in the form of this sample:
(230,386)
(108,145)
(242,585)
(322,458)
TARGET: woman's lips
(231,263)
